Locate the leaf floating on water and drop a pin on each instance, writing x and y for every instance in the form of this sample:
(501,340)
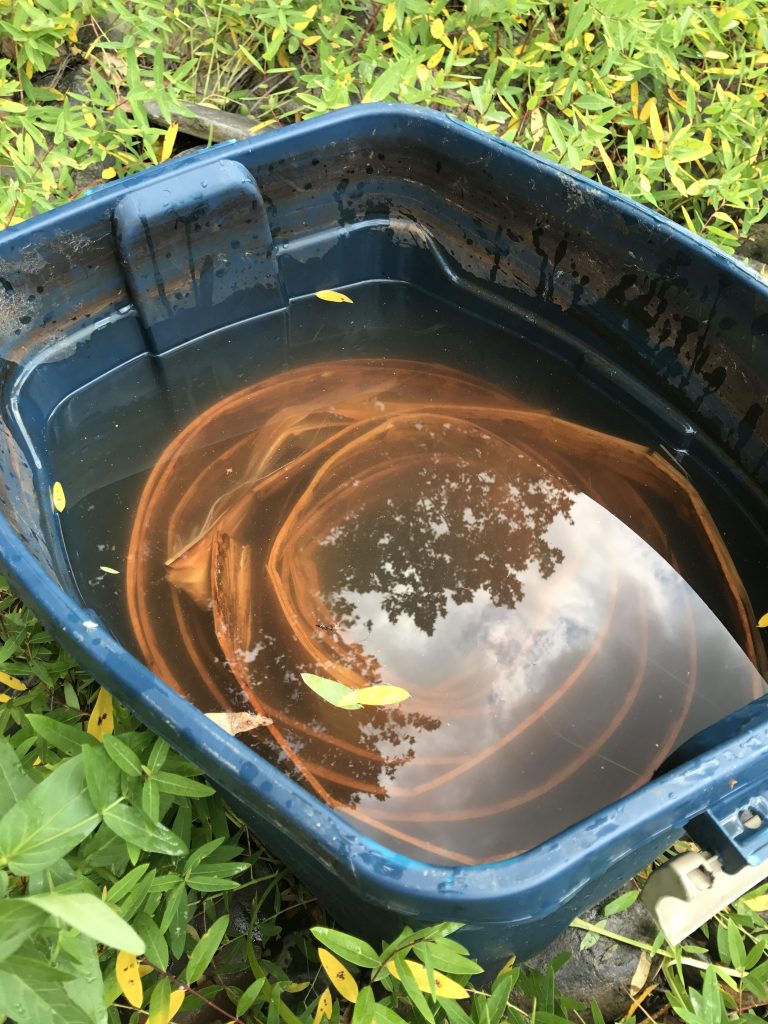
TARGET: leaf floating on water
(110,570)
(331,690)
(58,497)
(763,621)
(339,975)
(235,722)
(376,696)
(445,987)
(330,296)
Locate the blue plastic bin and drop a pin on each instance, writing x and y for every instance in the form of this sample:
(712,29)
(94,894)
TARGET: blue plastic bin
(393,193)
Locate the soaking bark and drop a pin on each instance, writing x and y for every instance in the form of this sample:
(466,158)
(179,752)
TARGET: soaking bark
(543,590)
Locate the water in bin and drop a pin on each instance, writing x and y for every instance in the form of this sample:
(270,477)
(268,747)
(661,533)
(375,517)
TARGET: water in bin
(501,541)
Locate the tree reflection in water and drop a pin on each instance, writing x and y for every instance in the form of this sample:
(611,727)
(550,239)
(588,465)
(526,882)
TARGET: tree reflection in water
(388,521)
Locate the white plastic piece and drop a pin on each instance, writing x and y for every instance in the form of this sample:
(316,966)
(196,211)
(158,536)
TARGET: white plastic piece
(691,888)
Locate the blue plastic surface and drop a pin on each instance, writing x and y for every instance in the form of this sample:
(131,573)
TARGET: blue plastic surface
(394,193)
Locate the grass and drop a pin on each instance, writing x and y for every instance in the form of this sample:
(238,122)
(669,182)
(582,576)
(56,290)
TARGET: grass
(662,100)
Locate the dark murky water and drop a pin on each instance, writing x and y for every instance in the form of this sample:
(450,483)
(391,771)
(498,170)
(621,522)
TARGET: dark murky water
(523,559)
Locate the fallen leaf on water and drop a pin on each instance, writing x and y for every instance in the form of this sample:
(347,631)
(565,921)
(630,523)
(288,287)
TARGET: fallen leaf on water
(129,979)
(763,621)
(58,498)
(235,722)
(12,682)
(375,696)
(330,296)
(445,987)
(101,721)
(339,975)
(330,690)
(110,570)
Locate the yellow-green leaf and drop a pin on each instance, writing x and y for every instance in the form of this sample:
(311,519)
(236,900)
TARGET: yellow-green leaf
(12,682)
(109,173)
(310,40)
(110,570)
(445,987)
(327,295)
(763,621)
(757,903)
(437,29)
(390,13)
(654,121)
(58,497)
(309,14)
(375,696)
(331,690)
(436,57)
(101,721)
(129,979)
(325,1003)
(339,975)
(169,141)
(89,119)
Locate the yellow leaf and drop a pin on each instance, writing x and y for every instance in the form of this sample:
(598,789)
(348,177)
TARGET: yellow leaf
(390,13)
(330,296)
(507,966)
(376,696)
(646,109)
(324,1005)
(109,173)
(589,38)
(422,74)
(4,698)
(310,40)
(763,621)
(129,979)
(436,57)
(679,184)
(634,95)
(309,14)
(475,37)
(716,54)
(340,977)
(537,124)
(762,59)
(645,185)
(654,121)
(110,570)
(720,215)
(757,903)
(445,987)
(89,119)
(58,497)
(437,29)
(282,58)
(12,682)
(609,166)
(174,1005)
(101,721)
(687,218)
(169,141)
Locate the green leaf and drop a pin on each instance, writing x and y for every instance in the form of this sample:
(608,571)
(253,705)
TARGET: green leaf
(157,755)
(622,902)
(102,777)
(30,994)
(127,883)
(14,781)
(69,739)
(178,785)
(330,690)
(91,917)
(386,1015)
(155,946)
(160,1001)
(364,1007)
(204,951)
(412,990)
(134,827)
(49,822)
(123,756)
(349,948)
(18,920)
(249,997)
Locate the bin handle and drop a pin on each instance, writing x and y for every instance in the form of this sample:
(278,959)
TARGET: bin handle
(686,891)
